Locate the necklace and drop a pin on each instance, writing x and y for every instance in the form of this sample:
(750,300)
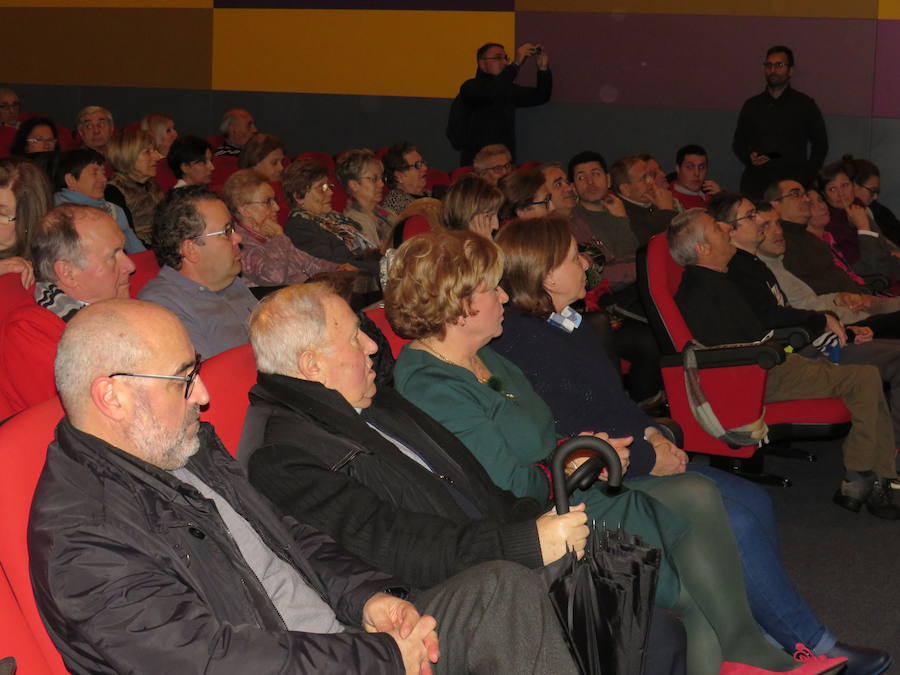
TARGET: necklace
(490,380)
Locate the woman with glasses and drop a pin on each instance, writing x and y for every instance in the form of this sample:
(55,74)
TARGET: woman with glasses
(362,175)
(525,194)
(268,258)
(264,154)
(25,196)
(316,228)
(405,174)
(37,134)
(134,157)
(866,177)
(856,234)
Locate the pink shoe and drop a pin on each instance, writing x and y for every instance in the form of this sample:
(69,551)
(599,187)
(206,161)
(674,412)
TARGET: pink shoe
(812,665)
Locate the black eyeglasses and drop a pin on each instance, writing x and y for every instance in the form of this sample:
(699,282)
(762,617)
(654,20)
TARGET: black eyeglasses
(544,202)
(749,216)
(872,191)
(188,379)
(499,57)
(796,193)
(418,165)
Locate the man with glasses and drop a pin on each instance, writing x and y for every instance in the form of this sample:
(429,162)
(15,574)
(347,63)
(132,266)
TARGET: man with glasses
(200,259)
(780,132)
(721,306)
(78,254)
(484,112)
(188,568)
(649,207)
(493,162)
(806,255)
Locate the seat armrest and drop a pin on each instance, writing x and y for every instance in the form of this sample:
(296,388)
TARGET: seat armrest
(795,336)
(766,356)
(671,430)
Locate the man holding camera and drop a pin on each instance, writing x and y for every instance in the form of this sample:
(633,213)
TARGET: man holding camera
(484,112)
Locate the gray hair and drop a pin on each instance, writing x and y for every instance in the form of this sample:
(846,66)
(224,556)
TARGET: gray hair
(90,110)
(99,341)
(684,234)
(352,163)
(488,151)
(287,323)
(228,119)
(56,238)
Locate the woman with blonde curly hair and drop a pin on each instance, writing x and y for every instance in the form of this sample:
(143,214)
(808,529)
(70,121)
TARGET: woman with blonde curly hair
(443,293)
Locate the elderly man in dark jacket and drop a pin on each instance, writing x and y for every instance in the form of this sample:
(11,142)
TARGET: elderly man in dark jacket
(376,473)
(151,551)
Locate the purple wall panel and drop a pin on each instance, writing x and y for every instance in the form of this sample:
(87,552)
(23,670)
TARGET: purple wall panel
(703,61)
(887,55)
(431,5)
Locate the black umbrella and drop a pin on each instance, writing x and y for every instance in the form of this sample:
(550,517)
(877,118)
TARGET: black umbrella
(604,600)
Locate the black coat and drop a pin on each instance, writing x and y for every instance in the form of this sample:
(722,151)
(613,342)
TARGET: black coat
(312,454)
(490,103)
(761,291)
(134,571)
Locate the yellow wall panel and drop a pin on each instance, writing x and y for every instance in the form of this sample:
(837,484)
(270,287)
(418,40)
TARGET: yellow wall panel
(837,9)
(122,4)
(889,9)
(381,53)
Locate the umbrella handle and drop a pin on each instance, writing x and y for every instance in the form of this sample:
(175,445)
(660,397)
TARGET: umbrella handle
(606,455)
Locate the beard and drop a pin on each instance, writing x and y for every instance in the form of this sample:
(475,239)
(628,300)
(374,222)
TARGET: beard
(167,449)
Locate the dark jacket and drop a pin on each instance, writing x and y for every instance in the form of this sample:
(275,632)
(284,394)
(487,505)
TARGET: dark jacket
(134,570)
(790,129)
(811,259)
(760,289)
(714,308)
(320,462)
(310,237)
(490,103)
(647,221)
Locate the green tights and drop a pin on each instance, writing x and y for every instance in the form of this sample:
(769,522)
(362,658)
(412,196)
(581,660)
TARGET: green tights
(713,601)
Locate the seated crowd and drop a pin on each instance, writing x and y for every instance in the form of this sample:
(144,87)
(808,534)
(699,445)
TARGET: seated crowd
(368,526)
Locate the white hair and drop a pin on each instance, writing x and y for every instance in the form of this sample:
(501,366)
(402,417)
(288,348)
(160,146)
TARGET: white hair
(287,323)
(684,234)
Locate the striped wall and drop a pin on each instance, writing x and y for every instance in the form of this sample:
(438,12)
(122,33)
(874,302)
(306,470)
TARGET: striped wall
(641,74)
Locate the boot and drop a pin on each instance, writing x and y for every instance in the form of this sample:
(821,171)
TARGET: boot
(881,501)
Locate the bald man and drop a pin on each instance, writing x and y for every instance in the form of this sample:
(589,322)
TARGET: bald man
(148,545)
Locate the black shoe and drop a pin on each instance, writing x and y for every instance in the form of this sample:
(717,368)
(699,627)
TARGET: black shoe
(862,660)
(853,494)
(881,501)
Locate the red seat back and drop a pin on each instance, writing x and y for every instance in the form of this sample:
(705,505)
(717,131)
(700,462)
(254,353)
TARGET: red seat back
(460,172)
(223,167)
(228,377)
(23,447)
(663,277)
(16,639)
(436,177)
(146,268)
(378,316)
(12,295)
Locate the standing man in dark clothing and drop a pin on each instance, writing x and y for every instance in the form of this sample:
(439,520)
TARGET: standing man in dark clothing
(780,133)
(484,111)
